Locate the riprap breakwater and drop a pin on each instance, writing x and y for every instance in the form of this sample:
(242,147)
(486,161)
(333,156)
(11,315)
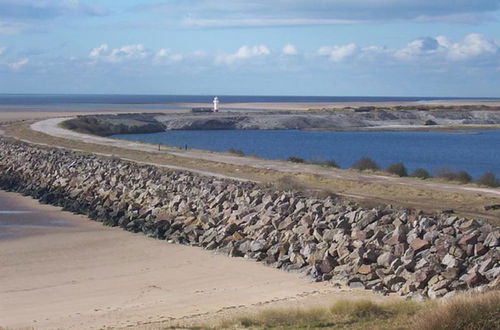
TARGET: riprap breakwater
(385,249)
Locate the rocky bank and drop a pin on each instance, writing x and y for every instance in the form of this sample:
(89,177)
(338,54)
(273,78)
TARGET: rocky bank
(384,249)
(340,119)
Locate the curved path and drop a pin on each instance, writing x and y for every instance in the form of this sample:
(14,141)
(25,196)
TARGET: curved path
(51,127)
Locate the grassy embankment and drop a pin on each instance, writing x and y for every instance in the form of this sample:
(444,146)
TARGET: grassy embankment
(478,311)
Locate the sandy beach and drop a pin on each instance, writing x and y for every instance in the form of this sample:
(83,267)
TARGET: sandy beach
(63,271)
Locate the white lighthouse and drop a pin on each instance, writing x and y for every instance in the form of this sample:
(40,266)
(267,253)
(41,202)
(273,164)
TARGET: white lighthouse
(216,104)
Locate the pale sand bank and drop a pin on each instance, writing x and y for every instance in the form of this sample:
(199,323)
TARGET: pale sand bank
(74,273)
(8,113)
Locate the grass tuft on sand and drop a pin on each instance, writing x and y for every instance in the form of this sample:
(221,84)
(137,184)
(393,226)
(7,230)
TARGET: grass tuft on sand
(360,314)
(466,311)
(478,312)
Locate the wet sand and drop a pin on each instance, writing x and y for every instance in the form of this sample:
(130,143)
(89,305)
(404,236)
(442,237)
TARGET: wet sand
(62,271)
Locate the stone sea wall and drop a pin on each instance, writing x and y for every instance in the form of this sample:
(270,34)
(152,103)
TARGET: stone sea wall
(383,249)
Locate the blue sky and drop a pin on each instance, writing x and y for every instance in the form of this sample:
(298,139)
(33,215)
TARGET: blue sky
(251,47)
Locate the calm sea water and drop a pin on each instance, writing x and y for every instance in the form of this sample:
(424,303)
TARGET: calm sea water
(162,101)
(475,151)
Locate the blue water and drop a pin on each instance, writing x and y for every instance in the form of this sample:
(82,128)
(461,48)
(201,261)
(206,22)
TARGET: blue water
(89,101)
(476,151)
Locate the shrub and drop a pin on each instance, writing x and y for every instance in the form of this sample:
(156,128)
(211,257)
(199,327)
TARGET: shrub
(463,177)
(324,162)
(421,174)
(397,168)
(365,163)
(236,152)
(488,179)
(448,174)
(294,159)
(331,163)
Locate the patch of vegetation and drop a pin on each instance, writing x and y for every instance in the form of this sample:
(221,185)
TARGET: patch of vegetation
(478,311)
(288,183)
(481,311)
(365,163)
(236,152)
(324,162)
(451,175)
(463,177)
(488,179)
(294,159)
(421,174)
(445,173)
(360,314)
(398,169)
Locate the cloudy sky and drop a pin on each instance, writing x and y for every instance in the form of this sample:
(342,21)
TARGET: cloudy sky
(251,47)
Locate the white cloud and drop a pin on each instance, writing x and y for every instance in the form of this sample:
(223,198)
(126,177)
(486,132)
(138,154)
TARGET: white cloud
(419,48)
(244,53)
(472,46)
(2,50)
(289,49)
(99,51)
(125,53)
(16,66)
(433,53)
(338,53)
(167,56)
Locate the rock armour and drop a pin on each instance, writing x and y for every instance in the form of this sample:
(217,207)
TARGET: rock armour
(384,249)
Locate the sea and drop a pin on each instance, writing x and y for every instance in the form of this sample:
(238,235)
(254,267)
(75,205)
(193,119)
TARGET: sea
(474,151)
(165,102)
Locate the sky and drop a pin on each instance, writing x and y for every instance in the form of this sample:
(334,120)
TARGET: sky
(251,47)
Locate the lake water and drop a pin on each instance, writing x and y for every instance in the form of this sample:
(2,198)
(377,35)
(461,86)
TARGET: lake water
(475,151)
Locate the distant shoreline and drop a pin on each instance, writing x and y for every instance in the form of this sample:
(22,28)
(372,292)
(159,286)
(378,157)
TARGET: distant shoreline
(355,118)
(92,102)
